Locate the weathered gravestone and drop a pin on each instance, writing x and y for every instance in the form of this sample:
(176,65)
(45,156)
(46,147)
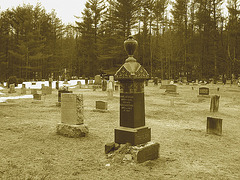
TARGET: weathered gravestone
(214,103)
(104,85)
(37,96)
(203,92)
(72,117)
(12,88)
(23,89)
(50,82)
(155,81)
(171,89)
(62,90)
(131,76)
(57,85)
(101,106)
(98,80)
(214,126)
(46,90)
(164,84)
(79,84)
(110,89)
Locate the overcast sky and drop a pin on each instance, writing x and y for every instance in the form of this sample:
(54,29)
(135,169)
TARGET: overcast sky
(65,9)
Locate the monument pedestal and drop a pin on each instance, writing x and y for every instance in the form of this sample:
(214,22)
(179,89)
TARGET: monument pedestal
(73,131)
(134,136)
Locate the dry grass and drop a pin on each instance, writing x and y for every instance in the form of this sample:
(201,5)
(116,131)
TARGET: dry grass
(31,149)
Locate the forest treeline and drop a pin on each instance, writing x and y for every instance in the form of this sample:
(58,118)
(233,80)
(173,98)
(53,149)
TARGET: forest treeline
(194,40)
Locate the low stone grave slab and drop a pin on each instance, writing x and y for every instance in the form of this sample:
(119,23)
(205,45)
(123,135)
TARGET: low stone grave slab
(214,126)
(164,84)
(171,89)
(204,92)
(101,106)
(37,96)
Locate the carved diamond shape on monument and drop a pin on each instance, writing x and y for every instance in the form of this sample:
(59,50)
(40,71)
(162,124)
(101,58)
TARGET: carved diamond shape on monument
(141,73)
(122,73)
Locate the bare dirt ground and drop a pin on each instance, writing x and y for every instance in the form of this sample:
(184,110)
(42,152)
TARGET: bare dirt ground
(31,149)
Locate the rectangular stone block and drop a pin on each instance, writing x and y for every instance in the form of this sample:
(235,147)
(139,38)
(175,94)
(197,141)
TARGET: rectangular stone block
(203,91)
(72,108)
(134,136)
(101,105)
(171,88)
(214,126)
(37,96)
(60,92)
(149,151)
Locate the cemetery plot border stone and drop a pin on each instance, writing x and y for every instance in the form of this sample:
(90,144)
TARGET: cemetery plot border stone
(214,126)
(132,130)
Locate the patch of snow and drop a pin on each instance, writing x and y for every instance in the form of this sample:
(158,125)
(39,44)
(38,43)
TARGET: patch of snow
(3,99)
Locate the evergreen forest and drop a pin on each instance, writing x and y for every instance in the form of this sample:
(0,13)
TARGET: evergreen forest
(197,39)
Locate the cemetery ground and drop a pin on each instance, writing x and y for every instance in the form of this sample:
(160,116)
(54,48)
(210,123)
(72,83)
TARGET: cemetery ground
(31,149)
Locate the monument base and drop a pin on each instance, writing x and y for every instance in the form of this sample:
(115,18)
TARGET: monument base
(134,136)
(203,96)
(73,131)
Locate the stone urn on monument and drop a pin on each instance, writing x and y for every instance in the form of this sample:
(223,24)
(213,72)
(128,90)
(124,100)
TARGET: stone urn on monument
(133,130)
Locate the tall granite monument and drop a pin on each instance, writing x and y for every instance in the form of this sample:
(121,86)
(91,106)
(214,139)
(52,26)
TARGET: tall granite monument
(131,76)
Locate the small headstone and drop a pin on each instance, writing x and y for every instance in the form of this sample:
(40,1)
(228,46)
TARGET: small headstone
(214,103)
(33,83)
(110,90)
(164,84)
(23,89)
(57,85)
(86,81)
(203,91)
(37,96)
(101,105)
(90,82)
(171,88)
(33,91)
(104,85)
(50,82)
(155,81)
(214,126)
(97,80)
(12,88)
(79,84)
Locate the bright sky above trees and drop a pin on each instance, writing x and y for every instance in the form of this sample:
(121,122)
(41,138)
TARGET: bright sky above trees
(65,9)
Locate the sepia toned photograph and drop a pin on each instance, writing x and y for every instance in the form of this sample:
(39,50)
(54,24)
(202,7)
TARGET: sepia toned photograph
(119,89)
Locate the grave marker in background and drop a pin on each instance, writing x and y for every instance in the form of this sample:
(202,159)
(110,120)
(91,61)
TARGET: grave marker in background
(23,89)
(203,92)
(12,88)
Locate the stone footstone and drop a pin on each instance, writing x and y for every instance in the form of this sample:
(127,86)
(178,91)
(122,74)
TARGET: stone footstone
(101,106)
(73,131)
(148,151)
